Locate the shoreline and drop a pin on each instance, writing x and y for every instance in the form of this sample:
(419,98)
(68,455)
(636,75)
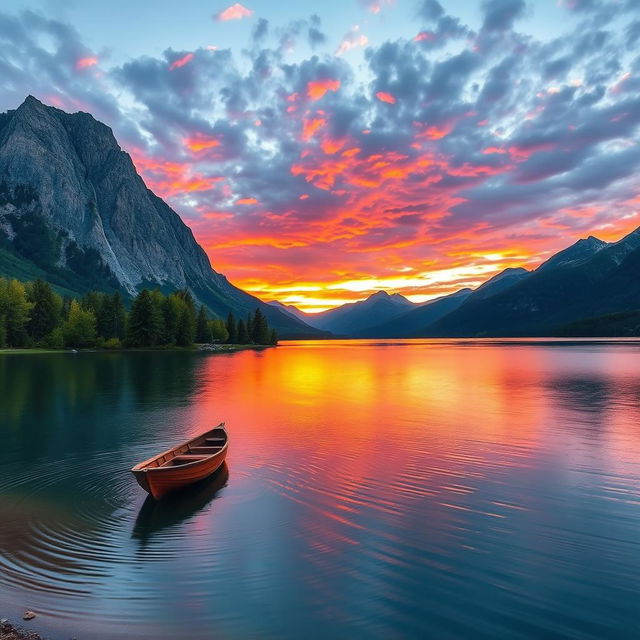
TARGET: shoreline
(198,348)
(9,631)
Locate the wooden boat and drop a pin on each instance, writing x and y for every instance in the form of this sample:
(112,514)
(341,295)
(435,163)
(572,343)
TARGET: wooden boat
(183,465)
(177,507)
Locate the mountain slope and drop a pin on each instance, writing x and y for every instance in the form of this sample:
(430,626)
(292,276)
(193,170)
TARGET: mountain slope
(540,303)
(417,319)
(290,310)
(72,205)
(498,283)
(355,317)
(578,252)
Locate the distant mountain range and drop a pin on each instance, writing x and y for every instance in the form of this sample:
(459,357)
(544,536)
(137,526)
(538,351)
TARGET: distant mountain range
(354,318)
(590,288)
(74,211)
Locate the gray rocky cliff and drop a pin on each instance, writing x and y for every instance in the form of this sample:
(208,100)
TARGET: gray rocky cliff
(69,171)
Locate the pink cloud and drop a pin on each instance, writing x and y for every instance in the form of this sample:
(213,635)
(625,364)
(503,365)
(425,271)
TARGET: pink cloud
(234,12)
(180,62)
(386,97)
(85,63)
(352,40)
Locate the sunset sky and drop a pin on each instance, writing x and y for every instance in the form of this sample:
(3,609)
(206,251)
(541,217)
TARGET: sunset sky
(321,151)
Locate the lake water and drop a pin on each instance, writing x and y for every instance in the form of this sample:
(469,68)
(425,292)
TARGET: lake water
(441,489)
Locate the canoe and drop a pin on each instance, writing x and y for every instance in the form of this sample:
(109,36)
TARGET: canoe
(177,507)
(183,465)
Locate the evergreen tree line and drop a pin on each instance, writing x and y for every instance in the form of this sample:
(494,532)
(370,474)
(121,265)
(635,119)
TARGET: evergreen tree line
(33,315)
(254,330)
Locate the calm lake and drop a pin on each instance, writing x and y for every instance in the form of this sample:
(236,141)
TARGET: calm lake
(374,489)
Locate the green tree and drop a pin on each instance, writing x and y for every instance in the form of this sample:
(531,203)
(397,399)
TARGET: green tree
(46,312)
(218,330)
(15,309)
(232,329)
(112,317)
(273,337)
(80,328)
(3,333)
(203,328)
(145,325)
(260,328)
(186,327)
(171,309)
(93,301)
(243,334)
(249,328)
(66,305)
(157,300)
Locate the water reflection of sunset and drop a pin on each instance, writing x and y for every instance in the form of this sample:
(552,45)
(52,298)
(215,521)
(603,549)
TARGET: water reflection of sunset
(372,486)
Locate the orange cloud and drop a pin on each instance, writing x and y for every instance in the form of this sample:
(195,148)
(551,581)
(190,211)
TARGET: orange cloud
(317,88)
(180,62)
(386,97)
(170,179)
(234,12)
(200,143)
(247,201)
(310,126)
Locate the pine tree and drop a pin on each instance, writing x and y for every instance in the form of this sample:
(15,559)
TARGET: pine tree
(243,334)
(186,327)
(93,301)
(273,338)
(145,324)
(112,317)
(260,333)
(250,328)
(15,309)
(46,311)
(80,328)
(157,302)
(171,308)
(232,329)
(3,332)
(203,330)
(66,305)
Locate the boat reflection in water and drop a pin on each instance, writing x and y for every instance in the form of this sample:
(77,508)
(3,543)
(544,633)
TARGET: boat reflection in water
(178,507)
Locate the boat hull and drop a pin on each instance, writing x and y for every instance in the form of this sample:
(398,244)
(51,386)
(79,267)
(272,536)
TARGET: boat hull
(161,475)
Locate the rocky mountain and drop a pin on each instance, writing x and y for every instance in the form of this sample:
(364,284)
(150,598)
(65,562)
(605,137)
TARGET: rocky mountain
(354,318)
(579,252)
(498,283)
(412,322)
(291,310)
(74,210)
(596,280)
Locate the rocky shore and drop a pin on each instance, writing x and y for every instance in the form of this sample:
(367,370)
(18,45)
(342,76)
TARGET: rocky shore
(10,632)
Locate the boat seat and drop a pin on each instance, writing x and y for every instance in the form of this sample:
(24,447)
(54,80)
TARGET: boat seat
(215,441)
(204,450)
(183,458)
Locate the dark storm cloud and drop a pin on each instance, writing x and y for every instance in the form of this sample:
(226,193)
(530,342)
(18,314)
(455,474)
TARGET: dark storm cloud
(430,10)
(260,30)
(314,34)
